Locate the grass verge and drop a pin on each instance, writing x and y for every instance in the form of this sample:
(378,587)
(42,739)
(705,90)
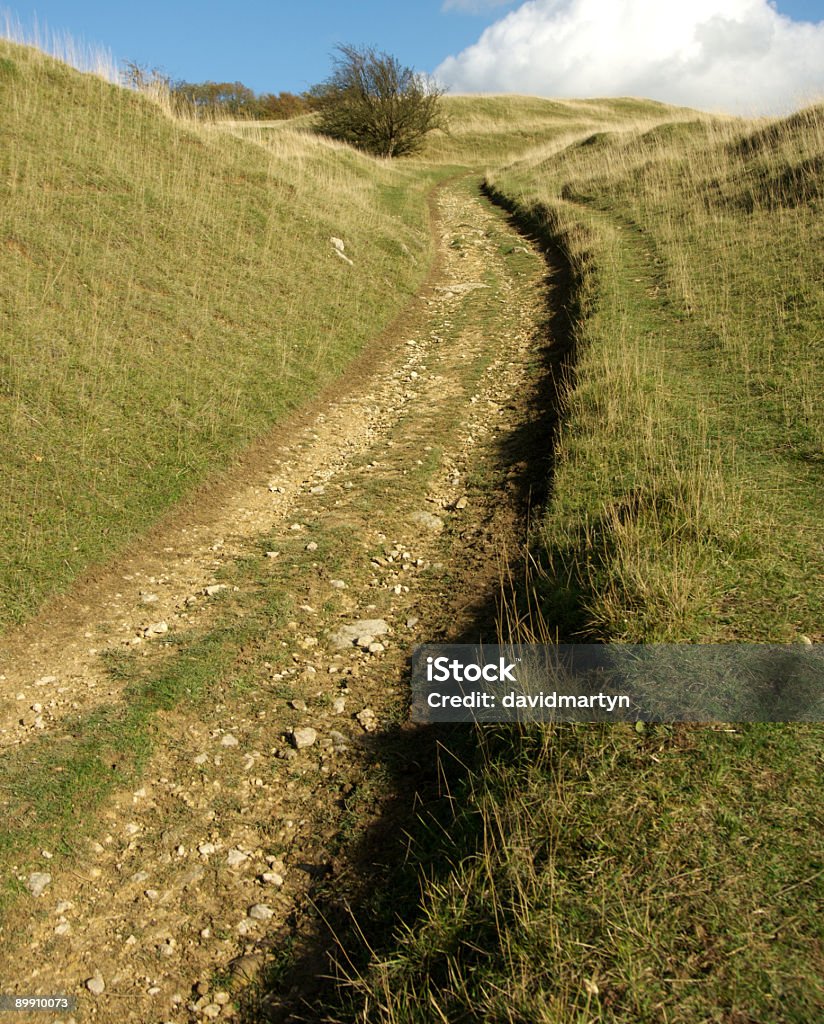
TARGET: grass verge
(594,874)
(689,469)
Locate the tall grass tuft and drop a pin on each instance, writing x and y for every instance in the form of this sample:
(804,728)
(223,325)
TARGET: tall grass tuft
(89,58)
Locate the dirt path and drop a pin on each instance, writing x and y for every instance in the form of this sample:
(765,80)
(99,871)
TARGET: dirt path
(400,503)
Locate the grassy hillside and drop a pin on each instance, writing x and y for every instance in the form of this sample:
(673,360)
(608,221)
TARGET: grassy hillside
(490,130)
(483,131)
(690,468)
(167,292)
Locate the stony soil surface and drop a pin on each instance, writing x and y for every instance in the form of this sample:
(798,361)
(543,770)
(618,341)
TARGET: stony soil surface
(388,520)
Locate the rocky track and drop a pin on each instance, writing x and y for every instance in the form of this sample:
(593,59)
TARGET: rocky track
(387,519)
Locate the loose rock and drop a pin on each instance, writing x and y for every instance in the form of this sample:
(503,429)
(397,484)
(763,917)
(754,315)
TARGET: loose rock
(96,985)
(235,858)
(37,882)
(367,719)
(428,519)
(347,635)
(304,737)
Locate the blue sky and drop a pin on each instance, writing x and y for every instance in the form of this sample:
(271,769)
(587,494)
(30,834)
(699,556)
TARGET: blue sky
(286,46)
(267,46)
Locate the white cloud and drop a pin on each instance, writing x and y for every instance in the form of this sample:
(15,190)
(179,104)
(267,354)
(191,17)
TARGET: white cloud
(735,55)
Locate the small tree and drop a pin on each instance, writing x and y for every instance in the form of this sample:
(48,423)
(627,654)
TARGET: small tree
(375,103)
(141,78)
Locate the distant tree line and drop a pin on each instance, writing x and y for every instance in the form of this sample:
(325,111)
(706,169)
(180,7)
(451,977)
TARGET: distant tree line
(233,99)
(238,100)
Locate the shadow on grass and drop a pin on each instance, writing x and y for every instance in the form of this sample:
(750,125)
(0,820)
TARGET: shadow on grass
(356,910)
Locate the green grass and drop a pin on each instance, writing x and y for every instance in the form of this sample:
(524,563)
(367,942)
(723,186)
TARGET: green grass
(689,470)
(592,874)
(160,303)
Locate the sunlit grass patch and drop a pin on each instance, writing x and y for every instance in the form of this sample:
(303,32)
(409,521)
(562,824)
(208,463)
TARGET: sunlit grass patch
(168,292)
(690,461)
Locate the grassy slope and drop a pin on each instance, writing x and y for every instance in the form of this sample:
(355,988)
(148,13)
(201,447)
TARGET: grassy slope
(589,873)
(166,294)
(486,130)
(585,874)
(689,480)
